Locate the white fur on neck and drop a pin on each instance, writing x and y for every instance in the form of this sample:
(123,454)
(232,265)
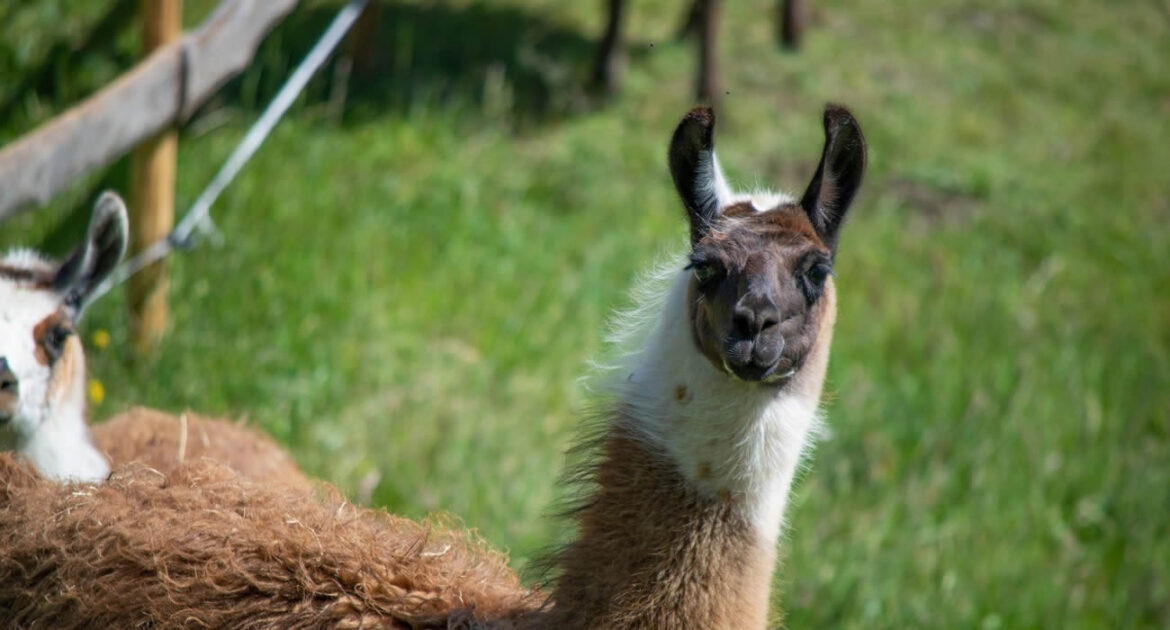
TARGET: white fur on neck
(728,437)
(64,450)
(62,446)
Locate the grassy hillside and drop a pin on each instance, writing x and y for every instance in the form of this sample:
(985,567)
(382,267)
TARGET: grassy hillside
(410,290)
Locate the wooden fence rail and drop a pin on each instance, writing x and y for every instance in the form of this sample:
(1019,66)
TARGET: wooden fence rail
(163,89)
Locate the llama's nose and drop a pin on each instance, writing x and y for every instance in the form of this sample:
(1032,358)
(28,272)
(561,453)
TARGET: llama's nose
(753,314)
(9,388)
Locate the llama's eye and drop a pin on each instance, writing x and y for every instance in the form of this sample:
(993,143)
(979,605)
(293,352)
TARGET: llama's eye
(818,273)
(54,341)
(705,272)
(813,280)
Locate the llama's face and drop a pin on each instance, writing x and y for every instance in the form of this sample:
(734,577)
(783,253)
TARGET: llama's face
(757,281)
(31,342)
(42,365)
(761,265)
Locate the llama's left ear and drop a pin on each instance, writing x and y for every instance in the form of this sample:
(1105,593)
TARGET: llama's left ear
(697,176)
(96,258)
(838,176)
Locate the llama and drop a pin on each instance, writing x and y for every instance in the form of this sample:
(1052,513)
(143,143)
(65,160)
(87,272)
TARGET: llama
(43,376)
(686,488)
(42,364)
(162,442)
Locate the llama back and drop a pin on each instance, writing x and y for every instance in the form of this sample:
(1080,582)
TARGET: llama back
(163,442)
(206,548)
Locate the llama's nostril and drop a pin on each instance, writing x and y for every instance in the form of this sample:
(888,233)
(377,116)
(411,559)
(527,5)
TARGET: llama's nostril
(748,322)
(8,382)
(743,326)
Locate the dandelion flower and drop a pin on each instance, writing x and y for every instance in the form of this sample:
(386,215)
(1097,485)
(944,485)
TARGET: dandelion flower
(101,338)
(97,391)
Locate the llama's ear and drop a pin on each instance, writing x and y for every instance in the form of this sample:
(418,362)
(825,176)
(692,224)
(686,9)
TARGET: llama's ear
(838,176)
(696,172)
(96,258)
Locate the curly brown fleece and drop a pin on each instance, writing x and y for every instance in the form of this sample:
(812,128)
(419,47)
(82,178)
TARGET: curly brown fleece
(163,442)
(204,548)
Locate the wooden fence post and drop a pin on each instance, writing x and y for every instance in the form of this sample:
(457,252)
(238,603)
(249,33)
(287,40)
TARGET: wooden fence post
(153,194)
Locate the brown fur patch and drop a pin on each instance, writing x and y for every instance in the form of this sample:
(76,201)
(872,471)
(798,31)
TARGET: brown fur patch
(681,394)
(202,548)
(784,221)
(36,278)
(653,553)
(41,330)
(8,402)
(157,440)
(67,369)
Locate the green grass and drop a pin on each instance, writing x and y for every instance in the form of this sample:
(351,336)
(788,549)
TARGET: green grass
(412,291)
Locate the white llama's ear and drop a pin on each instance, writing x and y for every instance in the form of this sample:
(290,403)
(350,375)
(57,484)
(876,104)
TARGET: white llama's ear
(697,176)
(96,258)
(838,176)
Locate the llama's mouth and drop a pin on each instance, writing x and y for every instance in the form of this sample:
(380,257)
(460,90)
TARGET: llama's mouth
(778,371)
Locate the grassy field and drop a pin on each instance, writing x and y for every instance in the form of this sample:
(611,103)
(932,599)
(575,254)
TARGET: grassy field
(409,291)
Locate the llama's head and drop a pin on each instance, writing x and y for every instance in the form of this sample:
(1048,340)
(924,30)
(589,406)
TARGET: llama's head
(762,263)
(42,364)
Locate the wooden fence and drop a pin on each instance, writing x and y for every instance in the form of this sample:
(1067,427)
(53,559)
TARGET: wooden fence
(140,109)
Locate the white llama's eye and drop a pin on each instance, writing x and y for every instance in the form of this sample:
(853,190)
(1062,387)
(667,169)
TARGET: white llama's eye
(53,341)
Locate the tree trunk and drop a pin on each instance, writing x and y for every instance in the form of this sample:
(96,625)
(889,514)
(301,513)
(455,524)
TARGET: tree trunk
(708,81)
(792,17)
(611,53)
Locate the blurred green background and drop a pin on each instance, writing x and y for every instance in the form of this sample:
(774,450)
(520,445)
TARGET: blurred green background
(413,281)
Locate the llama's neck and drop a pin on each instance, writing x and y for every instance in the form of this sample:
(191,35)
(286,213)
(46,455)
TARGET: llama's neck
(691,489)
(62,446)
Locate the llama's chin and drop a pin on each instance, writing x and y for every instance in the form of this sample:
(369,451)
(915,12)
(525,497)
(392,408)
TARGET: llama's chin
(775,374)
(779,376)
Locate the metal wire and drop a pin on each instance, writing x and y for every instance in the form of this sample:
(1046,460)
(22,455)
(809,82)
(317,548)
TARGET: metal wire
(198,217)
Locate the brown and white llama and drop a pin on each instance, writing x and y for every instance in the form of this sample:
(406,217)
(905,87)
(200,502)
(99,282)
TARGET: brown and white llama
(691,470)
(43,385)
(42,365)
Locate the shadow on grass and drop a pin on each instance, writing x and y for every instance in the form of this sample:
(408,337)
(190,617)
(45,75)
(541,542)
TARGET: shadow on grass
(503,63)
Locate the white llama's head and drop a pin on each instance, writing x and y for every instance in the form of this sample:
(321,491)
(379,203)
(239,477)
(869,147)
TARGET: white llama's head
(761,263)
(42,364)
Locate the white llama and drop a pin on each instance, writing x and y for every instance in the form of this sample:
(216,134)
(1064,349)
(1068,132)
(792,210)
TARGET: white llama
(43,384)
(42,365)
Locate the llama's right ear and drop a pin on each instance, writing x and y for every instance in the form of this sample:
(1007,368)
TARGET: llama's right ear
(838,175)
(94,260)
(697,176)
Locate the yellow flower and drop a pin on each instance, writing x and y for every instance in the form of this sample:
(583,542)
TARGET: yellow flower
(101,338)
(97,391)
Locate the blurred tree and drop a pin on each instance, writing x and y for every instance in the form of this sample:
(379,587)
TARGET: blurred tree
(702,19)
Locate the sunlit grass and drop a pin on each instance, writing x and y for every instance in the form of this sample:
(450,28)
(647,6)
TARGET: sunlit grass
(407,297)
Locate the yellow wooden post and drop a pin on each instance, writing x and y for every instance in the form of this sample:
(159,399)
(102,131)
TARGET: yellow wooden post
(153,194)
